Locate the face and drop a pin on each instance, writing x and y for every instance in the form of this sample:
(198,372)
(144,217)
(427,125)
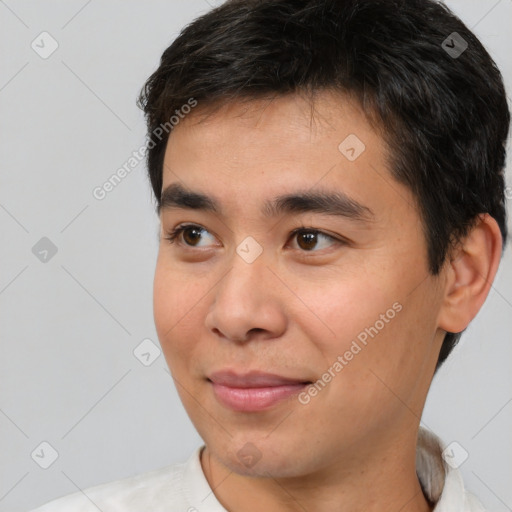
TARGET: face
(329,294)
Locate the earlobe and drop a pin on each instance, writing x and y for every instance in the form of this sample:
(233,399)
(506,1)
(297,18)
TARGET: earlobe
(469,274)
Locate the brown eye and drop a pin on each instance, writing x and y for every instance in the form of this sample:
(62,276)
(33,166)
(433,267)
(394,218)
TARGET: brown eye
(307,241)
(190,235)
(310,239)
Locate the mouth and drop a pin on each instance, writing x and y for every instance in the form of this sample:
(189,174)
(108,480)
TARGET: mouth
(254,391)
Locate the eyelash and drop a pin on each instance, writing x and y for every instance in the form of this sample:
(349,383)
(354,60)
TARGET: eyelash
(176,232)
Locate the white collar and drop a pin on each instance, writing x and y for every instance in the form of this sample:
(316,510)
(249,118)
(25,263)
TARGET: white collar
(441,483)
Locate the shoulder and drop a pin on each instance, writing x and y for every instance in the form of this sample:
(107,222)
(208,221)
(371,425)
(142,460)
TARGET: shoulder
(473,504)
(154,490)
(440,478)
(455,496)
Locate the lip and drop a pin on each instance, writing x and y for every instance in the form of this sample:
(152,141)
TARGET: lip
(253,391)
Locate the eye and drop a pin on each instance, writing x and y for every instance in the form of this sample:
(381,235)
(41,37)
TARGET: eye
(191,234)
(308,239)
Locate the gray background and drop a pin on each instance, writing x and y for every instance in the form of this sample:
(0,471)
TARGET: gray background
(69,326)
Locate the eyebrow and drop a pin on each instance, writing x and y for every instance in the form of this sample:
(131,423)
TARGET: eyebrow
(329,203)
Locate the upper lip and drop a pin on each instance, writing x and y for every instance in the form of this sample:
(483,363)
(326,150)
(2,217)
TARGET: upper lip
(253,379)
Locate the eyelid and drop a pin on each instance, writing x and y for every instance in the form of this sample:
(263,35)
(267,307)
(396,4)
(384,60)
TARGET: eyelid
(317,231)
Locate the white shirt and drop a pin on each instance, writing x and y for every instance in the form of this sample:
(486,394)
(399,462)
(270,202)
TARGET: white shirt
(184,488)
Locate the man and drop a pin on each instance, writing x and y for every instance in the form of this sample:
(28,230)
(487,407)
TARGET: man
(332,216)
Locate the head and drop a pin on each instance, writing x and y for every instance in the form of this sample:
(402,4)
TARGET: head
(360,102)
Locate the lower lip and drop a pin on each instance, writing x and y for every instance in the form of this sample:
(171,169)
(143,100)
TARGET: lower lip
(254,399)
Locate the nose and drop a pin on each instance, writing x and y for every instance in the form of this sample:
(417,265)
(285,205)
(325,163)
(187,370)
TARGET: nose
(248,303)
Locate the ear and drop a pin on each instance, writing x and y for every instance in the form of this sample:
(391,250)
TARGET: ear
(469,274)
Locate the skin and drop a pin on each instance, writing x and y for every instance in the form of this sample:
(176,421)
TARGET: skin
(293,312)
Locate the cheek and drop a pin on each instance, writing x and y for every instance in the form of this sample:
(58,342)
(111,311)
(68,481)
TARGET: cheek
(396,357)
(372,320)
(177,309)
(341,307)
(165,301)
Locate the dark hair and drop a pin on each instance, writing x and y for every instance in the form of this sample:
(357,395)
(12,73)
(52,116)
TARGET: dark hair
(440,107)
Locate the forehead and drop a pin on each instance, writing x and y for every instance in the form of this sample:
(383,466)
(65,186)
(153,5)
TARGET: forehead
(305,118)
(265,133)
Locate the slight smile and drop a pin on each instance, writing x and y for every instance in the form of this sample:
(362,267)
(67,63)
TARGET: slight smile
(254,391)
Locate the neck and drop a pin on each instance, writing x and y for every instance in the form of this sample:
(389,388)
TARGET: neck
(385,481)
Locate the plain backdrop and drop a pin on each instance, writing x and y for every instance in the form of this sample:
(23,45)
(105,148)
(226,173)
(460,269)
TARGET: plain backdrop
(76,272)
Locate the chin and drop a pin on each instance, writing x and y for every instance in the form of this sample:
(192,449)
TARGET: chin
(251,456)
